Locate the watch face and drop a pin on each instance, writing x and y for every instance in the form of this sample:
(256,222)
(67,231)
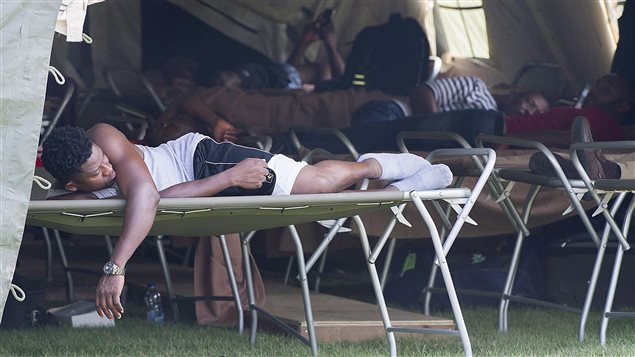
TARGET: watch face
(108,268)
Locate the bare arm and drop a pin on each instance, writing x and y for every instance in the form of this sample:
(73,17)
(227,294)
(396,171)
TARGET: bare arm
(248,173)
(308,37)
(137,187)
(192,113)
(336,62)
(422,100)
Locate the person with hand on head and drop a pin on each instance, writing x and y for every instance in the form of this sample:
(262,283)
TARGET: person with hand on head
(102,163)
(296,72)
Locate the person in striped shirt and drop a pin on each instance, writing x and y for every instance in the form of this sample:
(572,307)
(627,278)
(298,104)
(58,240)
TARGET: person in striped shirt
(468,92)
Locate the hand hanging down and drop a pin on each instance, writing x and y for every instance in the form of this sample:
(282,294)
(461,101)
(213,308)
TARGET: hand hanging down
(107,298)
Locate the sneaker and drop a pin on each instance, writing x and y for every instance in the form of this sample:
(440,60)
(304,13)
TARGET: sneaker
(581,133)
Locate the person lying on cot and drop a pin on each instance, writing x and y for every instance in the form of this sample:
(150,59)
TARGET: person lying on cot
(469,92)
(217,110)
(358,112)
(607,106)
(102,163)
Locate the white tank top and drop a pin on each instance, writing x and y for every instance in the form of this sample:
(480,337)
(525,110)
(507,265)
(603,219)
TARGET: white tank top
(169,164)
(173,162)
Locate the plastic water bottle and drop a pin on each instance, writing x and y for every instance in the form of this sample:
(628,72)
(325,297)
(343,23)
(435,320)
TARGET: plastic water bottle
(153,304)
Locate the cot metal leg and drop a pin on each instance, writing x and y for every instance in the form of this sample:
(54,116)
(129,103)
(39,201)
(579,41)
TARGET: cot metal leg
(318,279)
(432,277)
(302,276)
(322,250)
(597,266)
(617,265)
(608,305)
(427,297)
(445,270)
(513,266)
(167,277)
(232,283)
(287,274)
(385,270)
(250,286)
(70,286)
(374,278)
(49,255)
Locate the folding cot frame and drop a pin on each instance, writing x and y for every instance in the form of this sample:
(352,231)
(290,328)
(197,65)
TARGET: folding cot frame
(221,215)
(607,188)
(575,190)
(496,190)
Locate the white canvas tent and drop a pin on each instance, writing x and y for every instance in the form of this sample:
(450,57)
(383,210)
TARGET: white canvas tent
(577,35)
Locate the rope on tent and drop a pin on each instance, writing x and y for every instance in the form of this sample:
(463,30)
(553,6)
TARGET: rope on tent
(42,182)
(87,38)
(15,290)
(59,77)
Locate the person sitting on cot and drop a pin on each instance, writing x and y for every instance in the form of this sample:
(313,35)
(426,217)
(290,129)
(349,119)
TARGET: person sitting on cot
(102,163)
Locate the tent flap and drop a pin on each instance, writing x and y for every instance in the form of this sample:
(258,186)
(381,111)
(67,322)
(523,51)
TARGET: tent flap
(26,37)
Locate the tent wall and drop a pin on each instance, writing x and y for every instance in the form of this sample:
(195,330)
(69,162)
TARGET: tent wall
(573,34)
(26,36)
(271,27)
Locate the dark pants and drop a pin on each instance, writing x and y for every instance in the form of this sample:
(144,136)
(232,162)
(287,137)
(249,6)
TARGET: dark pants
(380,135)
(212,158)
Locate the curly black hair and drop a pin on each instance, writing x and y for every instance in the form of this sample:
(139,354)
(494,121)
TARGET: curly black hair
(64,152)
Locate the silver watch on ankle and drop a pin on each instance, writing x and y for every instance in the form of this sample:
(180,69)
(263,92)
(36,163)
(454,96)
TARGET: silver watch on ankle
(111,268)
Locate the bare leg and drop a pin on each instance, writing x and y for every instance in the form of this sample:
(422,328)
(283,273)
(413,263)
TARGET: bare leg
(334,176)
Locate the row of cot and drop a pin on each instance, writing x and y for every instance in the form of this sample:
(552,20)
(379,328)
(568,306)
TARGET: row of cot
(601,191)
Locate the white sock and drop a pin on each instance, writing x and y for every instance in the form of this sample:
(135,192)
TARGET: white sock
(430,178)
(397,166)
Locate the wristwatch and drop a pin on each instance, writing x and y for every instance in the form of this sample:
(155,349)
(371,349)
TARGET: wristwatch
(111,268)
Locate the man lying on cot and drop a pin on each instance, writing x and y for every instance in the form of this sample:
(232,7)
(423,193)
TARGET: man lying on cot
(102,163)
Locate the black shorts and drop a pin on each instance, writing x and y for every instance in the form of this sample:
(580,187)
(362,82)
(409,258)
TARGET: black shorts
(211,158)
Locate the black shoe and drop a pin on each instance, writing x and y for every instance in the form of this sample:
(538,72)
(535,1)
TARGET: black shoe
(540,165)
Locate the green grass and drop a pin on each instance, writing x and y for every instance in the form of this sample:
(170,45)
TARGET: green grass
(533,332)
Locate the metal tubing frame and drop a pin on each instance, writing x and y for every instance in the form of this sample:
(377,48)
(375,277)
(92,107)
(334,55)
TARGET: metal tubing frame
(49,254)
(70,289)
(232,283)
(230,276)
(595,273)
(167,277)
(615,274)
(513,265)
(559,172)
(600,243)
(302,277)
(445,270)
(494,185)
